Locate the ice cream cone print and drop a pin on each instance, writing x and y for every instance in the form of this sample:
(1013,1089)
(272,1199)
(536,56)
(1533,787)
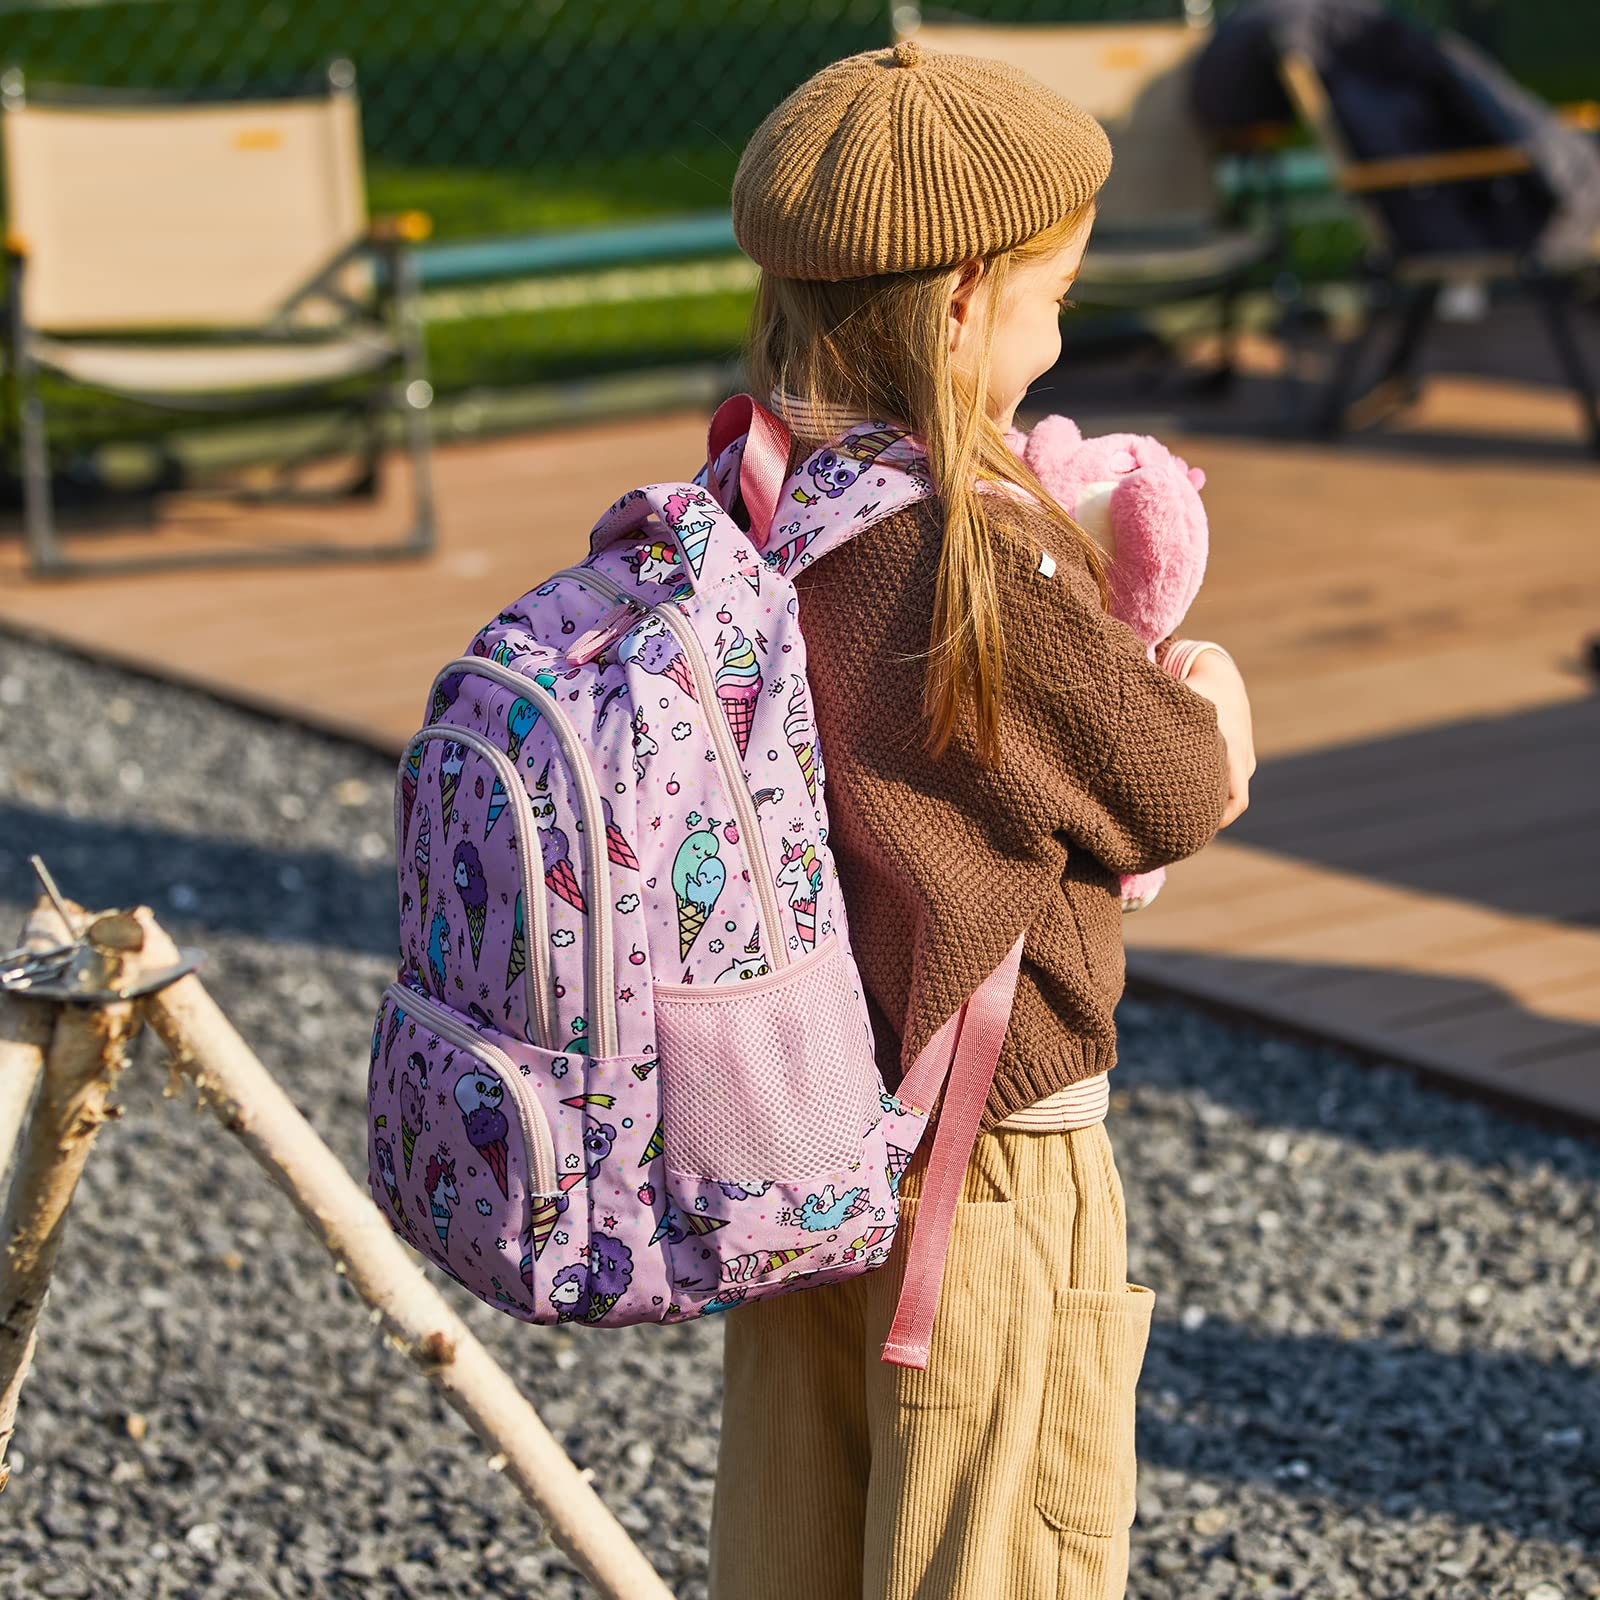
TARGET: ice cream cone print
(517,961)
(739,688)
(693,1222)
(691,919)
(546,1211)
(555,849)
(450,765)
(570,1180)
(654,1148)
(688,518)
(697,879)
(422,857)
(497,804)
(757,1264)
(857,1206)
(410,1114)
(495,1155)
(678,670)
(805,922)
(579,1101)
(560,877)
(519,724)
(806,755)
(478,1096)
(617,846)
(798,732)
(473,888)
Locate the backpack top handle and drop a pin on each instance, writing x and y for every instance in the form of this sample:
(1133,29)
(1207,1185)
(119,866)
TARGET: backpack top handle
(763,464)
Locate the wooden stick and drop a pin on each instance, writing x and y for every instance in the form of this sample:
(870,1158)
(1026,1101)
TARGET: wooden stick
(86,1050)
(24,1031)
(233,1083)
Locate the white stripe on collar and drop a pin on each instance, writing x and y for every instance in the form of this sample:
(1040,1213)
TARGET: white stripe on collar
(809,421)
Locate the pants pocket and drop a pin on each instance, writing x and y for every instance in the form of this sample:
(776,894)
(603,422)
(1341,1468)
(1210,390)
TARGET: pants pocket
(1086,1468)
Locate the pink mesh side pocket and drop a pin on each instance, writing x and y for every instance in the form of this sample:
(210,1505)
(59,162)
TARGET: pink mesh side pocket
(771,1079)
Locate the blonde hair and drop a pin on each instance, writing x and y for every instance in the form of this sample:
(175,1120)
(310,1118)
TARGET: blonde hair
(878,347)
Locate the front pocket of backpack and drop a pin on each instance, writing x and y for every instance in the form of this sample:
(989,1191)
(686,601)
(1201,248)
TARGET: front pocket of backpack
(459,1151)
(769,1080)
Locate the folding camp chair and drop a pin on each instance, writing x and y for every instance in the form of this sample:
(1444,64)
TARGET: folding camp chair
(1163,232)
(206,259)
(1403,285)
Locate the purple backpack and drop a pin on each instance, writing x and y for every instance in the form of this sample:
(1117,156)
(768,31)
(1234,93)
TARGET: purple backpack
(626,1072)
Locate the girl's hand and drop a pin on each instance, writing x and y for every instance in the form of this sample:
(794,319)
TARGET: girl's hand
(1219,680)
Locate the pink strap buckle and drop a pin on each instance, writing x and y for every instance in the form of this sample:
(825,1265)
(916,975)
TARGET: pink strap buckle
(961,1056)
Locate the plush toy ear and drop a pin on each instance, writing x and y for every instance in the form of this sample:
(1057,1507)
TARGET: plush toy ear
(1197,477)
(1052,440)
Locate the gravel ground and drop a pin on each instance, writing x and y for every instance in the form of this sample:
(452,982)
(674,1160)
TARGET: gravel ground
(1375,1369)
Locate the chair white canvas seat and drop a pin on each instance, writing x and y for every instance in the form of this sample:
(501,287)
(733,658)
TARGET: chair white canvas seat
(209,257)
(211,369)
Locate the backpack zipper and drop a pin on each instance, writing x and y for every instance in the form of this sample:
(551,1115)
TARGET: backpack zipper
(535,1129)
(738,792)
(525,827)
(601,999)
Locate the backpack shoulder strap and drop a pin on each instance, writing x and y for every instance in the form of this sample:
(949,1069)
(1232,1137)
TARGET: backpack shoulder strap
(867,473)
(960,1058)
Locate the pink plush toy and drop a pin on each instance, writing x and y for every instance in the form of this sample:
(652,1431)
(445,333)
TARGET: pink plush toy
(1141,505)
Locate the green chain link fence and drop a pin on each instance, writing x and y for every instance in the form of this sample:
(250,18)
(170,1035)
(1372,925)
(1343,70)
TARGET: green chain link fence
(516,117)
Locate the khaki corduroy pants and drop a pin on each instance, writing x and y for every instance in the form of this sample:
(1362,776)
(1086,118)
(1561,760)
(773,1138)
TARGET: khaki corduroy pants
(1005,1471)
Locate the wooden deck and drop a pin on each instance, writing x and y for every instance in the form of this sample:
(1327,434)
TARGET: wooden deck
(1417,874)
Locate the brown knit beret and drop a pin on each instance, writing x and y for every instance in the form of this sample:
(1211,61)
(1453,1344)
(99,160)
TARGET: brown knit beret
(896,160)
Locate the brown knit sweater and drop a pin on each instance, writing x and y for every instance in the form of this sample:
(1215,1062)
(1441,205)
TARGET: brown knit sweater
(1108,766)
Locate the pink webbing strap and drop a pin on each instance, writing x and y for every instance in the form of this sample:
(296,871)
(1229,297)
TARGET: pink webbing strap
(961,1055)
(764,464)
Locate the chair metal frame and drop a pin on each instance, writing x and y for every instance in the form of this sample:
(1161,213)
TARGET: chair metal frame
(399,383)
(1402,290)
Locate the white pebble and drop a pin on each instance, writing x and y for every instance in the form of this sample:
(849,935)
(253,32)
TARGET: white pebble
(291,808)
(12,693)
(131,776)
(204,1537)
(1192,1317)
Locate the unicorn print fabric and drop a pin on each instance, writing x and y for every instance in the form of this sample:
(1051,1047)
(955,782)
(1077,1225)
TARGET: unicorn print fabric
(625,1073)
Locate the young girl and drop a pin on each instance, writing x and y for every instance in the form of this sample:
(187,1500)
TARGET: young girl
(998,750)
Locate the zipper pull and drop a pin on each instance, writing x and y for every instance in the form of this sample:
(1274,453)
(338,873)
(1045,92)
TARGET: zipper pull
(611,628)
